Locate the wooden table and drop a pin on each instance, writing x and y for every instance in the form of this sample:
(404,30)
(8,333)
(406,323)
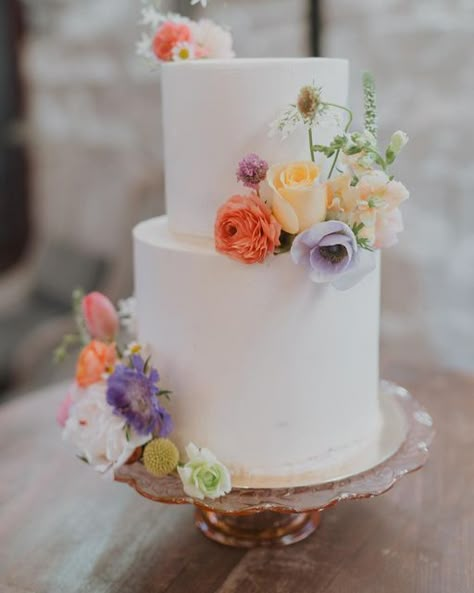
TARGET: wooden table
(63,529)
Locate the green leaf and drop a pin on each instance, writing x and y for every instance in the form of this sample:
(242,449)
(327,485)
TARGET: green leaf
(390,156)
(286,242)
(165,393)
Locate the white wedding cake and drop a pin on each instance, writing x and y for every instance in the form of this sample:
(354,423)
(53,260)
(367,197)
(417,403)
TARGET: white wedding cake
(249,357)
(275,374)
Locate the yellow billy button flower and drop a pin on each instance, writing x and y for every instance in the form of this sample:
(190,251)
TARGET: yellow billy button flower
(161,457)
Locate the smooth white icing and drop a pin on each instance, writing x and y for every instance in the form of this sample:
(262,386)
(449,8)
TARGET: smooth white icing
(216,112)
(276,375)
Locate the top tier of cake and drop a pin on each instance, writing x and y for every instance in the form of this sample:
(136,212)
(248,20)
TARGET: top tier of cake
(216,112)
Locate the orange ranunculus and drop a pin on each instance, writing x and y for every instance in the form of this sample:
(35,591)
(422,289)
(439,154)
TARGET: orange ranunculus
(94,360)
(246,230)
(167,37)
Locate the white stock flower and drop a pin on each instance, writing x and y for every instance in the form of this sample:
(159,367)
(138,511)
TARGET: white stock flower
(204,476)
(214,41)
(99,435)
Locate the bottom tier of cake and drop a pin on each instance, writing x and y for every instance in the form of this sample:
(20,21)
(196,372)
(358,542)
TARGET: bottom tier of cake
(276,375)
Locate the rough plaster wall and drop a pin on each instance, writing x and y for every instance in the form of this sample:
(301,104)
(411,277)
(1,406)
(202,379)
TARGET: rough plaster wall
(421,53)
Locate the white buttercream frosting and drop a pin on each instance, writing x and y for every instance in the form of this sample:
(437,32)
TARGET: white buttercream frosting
(217,112)
(274,374)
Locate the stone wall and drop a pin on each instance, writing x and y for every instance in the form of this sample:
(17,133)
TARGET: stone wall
(95,109)
(421,54)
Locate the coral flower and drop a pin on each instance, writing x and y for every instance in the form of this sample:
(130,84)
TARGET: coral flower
(245,229)
(168,36)
(100,316)
(94,360)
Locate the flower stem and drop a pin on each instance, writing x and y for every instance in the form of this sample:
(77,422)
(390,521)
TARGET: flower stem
(311,142)
(346,129)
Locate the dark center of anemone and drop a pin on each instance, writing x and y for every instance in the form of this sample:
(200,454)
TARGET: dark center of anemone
(333,253)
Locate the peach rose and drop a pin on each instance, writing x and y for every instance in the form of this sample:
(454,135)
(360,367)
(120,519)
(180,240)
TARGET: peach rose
(167,37)
(246,230)
(298,198)
(94,360)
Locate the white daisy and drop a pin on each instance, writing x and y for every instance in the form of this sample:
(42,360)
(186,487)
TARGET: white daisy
(184,51)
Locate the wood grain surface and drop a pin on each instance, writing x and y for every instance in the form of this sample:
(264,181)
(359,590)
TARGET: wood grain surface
(64,529)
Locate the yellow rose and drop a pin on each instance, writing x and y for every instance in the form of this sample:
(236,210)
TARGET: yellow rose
(298,198)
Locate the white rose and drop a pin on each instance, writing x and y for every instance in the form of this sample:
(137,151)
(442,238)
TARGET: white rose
(204,476)
(99,435)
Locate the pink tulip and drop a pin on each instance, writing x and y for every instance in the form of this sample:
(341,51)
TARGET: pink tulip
(63,410)
(100,316)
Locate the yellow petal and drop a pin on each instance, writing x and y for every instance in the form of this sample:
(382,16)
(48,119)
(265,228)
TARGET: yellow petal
(285,214)
(309,205)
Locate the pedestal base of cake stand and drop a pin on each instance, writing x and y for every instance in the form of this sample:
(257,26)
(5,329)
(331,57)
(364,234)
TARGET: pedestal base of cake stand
(251,517)
(267,528)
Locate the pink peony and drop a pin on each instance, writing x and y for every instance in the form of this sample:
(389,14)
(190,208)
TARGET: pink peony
(246,230)
(167,37)
(100,317)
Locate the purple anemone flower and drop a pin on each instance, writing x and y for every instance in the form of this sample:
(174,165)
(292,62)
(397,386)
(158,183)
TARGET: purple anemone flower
(330,252)
(132,391)
(252,171)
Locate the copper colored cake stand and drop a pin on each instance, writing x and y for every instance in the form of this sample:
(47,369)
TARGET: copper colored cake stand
(281,516)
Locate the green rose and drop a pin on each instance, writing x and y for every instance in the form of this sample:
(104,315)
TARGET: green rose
(204,476)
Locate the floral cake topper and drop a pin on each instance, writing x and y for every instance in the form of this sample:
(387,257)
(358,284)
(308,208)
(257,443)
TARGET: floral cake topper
(175,38)
(115,411)
(332,226)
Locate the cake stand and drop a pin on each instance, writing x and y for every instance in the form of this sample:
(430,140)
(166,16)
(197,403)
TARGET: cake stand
(250,517)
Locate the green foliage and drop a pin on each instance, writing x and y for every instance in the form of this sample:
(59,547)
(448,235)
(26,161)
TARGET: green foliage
(362,242)
(370,103)
(286,241)
(80,336)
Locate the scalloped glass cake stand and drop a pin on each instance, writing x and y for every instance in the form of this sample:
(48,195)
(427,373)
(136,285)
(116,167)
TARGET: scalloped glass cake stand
(250,517)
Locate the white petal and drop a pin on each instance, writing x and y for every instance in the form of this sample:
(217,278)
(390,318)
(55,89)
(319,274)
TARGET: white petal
(365,264)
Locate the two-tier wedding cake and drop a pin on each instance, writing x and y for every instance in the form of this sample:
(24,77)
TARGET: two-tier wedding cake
(278,376)
(258,294)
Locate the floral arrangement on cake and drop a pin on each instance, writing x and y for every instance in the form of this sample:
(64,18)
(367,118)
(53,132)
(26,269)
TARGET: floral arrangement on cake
(175,38)
(114,412)
(332,226)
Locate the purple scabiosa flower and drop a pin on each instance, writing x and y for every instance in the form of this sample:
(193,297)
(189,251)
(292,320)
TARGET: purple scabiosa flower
(252,170)
(330,252)
(132,391)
